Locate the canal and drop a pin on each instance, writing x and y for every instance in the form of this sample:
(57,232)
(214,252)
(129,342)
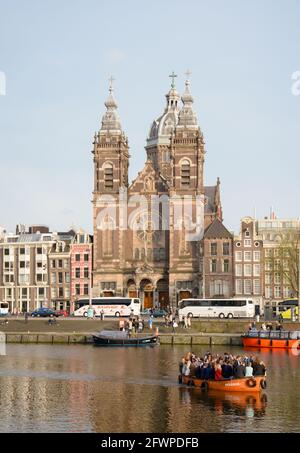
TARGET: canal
(80,388)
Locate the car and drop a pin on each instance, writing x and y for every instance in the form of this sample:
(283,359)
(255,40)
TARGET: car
(62,313)
(43,313)
(155,312)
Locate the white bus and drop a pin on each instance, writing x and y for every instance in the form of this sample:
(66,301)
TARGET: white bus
(111,306)
(217,308)
(4,308)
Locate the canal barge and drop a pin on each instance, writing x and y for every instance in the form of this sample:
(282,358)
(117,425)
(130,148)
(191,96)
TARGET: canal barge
(272,339)
(119,338)
(247,384)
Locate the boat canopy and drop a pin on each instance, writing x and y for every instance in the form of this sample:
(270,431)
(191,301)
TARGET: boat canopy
(118,334)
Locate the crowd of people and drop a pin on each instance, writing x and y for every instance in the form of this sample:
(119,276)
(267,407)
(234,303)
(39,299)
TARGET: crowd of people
(132,325)
(219,367)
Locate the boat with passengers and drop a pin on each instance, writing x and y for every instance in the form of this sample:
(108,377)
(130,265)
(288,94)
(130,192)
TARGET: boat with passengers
(285,339)
(224,373)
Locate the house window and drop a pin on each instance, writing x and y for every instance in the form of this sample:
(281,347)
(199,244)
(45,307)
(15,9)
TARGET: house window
(277,292)
(213,266)
(60,292)
(238,256)
(247,270)
(268,292)
(256,270)
(247,286)
(60,263)
(108,176)
(77,289)
(77,257)
(185,173)
(226,248)
(213,248)
(239,270)
(247,256)
(86,257)
(277,278)
(256,287)
(86,272)
(86,289)
(77,272)
(60,277)
(226,266)
(256,256)
(247,243)
(239,286)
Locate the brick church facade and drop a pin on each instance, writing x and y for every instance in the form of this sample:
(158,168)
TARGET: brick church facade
(141,228)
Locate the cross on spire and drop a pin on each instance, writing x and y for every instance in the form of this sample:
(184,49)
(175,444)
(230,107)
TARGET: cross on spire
(188,74)
(111,81)
(173,75)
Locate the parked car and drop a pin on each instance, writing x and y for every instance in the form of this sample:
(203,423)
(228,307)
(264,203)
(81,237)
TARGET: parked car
(155,312)
(61,313)
(44,313)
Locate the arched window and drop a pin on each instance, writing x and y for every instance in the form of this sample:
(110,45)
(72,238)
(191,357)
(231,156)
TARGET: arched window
(108,176)
(185,173)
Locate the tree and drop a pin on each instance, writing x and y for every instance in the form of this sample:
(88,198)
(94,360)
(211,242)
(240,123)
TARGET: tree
(284,262)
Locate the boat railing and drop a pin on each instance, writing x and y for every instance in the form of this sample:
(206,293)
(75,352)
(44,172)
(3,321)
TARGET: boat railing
(275,334)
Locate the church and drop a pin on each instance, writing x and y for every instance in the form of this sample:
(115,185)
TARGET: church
(148,234)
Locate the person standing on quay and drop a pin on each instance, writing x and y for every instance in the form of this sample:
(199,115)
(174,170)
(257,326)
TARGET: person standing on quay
(189,321)
(150,322)
(185,320)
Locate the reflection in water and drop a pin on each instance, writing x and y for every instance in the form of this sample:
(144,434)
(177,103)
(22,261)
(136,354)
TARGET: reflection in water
(80,388)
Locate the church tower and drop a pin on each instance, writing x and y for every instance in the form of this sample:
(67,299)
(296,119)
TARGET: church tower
(111,159)
(187,210)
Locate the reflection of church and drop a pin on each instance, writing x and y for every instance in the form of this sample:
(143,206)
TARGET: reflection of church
(145,257)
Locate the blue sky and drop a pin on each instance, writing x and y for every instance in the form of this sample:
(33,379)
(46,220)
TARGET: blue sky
(57,57)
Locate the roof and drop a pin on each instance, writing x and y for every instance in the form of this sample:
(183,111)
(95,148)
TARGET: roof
(210,193)
(217,230)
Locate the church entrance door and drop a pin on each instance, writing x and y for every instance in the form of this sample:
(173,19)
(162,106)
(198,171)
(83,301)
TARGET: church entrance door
(148,299)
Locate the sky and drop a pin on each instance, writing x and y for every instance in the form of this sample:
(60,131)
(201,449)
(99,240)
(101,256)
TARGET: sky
(56,58)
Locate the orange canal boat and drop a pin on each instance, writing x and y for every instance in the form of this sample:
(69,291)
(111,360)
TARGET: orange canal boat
(248,384)
(272,339)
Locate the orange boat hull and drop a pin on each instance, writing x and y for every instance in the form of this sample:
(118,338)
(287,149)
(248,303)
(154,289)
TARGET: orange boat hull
(249,385)
(255,342)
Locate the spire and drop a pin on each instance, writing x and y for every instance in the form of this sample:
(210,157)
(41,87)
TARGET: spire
(187,116)
(110,120)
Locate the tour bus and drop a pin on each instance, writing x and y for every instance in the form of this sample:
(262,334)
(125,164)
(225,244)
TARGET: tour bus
(217,308)
(4,308)
(111,306)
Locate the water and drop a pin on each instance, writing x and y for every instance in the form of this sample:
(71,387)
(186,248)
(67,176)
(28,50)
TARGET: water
(80,388)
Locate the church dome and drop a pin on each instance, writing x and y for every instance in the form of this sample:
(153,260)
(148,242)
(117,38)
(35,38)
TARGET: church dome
(162,128)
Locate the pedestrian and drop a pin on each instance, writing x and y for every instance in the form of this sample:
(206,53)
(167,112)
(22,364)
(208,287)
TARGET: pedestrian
(121,325)
(189,321)
(150,322)
(26,317)
(102,314)
(174,325)
(185,320)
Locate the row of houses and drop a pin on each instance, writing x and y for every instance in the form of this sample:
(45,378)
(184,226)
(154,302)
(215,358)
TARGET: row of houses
(54,269)
(39,268)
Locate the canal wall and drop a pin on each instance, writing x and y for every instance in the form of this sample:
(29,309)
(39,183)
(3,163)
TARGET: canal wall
(86,338)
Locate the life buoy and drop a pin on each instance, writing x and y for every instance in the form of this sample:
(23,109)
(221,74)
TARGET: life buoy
(204,386)
(179,379)
(263,384)
(251,382)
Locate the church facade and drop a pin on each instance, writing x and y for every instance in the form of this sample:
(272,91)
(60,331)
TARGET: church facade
(148,234)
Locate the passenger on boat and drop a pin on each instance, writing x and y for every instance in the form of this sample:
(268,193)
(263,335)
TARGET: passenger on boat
(239,370)
(259,368)
(248,369)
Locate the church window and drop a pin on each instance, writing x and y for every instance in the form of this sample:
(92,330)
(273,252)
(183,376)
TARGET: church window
(108,176)
(185,173)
